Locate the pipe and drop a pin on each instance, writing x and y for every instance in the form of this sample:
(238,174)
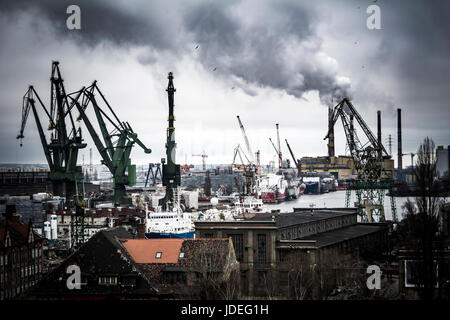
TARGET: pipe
(399,144)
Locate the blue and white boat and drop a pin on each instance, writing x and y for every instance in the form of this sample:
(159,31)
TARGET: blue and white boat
(169,224)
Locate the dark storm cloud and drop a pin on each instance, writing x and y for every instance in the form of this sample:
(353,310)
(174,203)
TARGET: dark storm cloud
(417,50)
(102,20)
(280,50)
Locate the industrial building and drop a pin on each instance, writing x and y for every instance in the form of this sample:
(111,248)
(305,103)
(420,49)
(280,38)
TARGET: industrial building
(263,242)
(21,257)
(442,161)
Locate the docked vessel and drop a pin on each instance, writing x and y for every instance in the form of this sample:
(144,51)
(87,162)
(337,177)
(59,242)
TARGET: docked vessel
(312,185)
(246,205)
(173,223)
(271,188)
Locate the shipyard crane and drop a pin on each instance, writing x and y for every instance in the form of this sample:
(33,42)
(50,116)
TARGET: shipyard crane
(204,156)
(247,144)
(115,153)
(250,169)
(171,171)
(65,142)
(278,150)
(280,157)
(297,162)
(372,180)
(239,152)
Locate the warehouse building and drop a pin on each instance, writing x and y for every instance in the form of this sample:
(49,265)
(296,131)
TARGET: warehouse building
(264,243)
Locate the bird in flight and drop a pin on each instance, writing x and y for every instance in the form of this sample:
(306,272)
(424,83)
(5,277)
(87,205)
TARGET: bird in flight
(196,47)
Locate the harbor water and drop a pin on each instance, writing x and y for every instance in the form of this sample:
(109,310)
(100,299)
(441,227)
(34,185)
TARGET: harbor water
(336,200)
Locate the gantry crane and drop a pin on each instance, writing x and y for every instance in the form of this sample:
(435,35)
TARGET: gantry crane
(153,176)
(62,150)
(115,154)
(372,179)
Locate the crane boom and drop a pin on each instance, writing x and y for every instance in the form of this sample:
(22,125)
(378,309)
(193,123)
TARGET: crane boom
(297,163)
(247,144)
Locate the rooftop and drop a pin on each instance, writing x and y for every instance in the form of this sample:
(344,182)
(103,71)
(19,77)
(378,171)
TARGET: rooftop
(295,218)
(342,234)
(145,250)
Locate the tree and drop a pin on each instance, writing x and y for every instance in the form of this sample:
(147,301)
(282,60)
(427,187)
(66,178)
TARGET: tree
(419,231)
(218,276)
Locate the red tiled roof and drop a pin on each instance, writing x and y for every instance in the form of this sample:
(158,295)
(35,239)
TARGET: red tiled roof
(144,250)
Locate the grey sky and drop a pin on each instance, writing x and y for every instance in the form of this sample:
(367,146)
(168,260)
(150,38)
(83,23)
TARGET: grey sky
(268,61)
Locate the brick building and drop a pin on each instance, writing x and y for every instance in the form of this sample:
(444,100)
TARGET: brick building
(114,265)
(188,268)
(106,271)
(264,243)
(21,258)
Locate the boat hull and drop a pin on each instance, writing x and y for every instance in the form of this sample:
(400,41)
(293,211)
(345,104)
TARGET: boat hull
(161,235)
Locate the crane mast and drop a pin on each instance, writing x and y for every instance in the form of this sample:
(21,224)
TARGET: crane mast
(171,170)
(280,157)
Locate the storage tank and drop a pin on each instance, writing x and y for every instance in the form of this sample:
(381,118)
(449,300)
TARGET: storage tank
(54,226)
(47,230)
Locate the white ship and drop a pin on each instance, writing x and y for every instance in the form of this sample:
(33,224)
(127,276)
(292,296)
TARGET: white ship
(169,224)
(239,208)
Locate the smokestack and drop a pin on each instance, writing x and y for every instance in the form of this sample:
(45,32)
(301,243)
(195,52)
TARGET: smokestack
(399,136)
(331,133)
(380,152)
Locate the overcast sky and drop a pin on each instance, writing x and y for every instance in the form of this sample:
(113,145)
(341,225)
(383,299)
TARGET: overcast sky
(267,61)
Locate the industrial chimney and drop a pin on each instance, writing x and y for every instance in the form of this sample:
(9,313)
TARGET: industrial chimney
(380,150)
(400,151)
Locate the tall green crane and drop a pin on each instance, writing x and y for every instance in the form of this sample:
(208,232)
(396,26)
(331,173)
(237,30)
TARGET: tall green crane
(62,150)
(373,179)
(115,154)
(171,171)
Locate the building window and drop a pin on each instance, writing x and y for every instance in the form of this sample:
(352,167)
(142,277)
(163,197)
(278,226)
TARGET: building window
(129,281)
(414,271)
(238,244)
(174,277)
(262,275)
(283,255)
(208,235)
(158,255)
(107,281)
(262,247)
(206,260)
(284,278)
